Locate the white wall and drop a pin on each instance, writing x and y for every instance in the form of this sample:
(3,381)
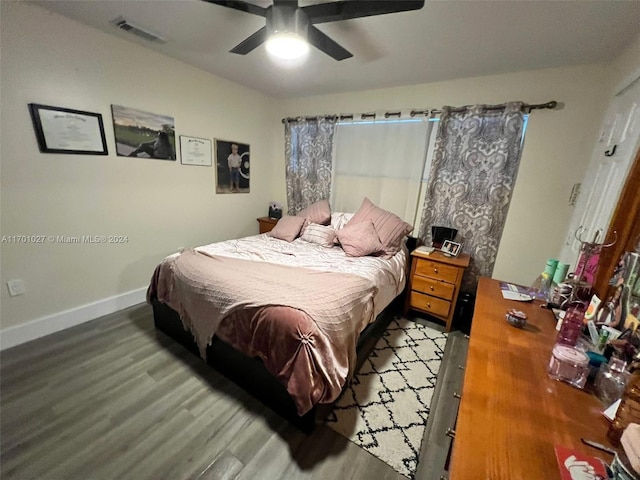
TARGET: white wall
(625,68)
(557,146)
(158,205)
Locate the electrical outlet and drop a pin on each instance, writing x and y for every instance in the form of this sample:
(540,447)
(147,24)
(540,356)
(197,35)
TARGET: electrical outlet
(16,287)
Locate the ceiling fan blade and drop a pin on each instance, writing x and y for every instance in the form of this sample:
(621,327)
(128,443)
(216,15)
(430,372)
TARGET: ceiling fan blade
(250,43)
(347,9)
(242,6)
(323,43)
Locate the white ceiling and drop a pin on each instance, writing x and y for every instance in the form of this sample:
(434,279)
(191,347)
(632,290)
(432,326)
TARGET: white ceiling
(446,39)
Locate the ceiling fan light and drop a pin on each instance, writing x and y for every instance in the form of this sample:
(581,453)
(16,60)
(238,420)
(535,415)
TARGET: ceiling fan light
(287,45)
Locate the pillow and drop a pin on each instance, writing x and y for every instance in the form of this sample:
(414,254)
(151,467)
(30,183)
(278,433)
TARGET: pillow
(319,212)
(287,228)
(391,228)
(339,220)
(319,234)
(360,239)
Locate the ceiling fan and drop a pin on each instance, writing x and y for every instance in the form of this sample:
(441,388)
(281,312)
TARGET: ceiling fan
(287,22)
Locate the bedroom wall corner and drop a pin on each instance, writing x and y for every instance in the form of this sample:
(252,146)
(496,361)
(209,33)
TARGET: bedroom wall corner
(157,205)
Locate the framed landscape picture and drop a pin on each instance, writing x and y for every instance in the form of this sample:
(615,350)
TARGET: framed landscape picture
(232,167)
(143,134)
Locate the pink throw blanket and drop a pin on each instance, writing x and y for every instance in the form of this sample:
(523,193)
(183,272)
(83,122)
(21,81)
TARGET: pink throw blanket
(303,323)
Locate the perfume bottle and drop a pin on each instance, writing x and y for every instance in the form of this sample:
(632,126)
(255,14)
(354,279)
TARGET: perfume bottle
(572,324)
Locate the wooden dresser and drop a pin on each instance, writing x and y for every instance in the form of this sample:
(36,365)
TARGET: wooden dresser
(266,224)
(434,284)
(511,413)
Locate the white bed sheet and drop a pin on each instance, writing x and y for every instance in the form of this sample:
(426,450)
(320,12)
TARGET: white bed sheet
(389,275)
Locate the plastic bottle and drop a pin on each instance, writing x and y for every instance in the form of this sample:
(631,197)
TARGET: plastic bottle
(628,411)
(572,324)
(542,284)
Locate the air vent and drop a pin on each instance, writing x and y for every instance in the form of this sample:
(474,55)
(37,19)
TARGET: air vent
(128,27)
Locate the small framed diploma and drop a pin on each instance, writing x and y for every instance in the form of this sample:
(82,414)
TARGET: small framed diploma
(62,130)
(195,151)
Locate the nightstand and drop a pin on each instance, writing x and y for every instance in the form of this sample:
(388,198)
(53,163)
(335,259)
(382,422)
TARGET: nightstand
(267,224)
(434,284)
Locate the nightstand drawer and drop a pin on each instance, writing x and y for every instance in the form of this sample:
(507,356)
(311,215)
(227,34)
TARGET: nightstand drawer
(433,305)
(433,287)
(437,270)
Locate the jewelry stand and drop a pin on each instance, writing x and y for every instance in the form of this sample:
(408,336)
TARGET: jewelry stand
(581,288)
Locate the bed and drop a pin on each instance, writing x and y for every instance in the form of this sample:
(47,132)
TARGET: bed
(288,321)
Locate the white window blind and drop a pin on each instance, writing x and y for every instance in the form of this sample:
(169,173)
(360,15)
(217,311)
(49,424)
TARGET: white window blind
(385,160)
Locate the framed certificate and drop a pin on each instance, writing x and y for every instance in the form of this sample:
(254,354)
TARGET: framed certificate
(195,151)
(62,130)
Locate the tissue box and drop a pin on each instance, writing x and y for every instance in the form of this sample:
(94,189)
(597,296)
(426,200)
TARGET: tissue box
(631,443)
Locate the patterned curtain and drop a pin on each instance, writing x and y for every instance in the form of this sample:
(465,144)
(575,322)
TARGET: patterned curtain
(308,149)
(473,173)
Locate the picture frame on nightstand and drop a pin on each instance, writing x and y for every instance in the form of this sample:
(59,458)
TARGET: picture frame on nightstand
(451,249)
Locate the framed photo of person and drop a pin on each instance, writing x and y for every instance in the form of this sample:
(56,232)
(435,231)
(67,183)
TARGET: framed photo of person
(451,249)
(143,134)
(232,167)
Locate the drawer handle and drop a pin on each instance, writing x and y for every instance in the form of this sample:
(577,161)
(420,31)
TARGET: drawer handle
(456,395)
(451,433)
(428,305)
(431,287)
(460,367)
(435,270)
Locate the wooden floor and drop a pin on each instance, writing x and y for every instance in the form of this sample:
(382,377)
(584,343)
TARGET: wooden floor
(112,398)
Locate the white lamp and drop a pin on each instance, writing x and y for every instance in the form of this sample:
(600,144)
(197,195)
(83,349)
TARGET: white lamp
(287,45)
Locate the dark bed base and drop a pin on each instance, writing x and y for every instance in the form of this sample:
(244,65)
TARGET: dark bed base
(249,373)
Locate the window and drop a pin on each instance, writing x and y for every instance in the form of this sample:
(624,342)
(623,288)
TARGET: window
(385,160)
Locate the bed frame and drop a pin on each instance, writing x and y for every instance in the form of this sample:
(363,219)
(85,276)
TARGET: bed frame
(250,373)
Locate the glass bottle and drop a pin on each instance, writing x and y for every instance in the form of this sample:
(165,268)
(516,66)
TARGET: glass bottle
(628,411)
(572,324)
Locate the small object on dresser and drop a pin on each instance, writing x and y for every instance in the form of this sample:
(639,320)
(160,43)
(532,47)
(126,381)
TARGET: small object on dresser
(630,441)
(570,365)
(571,324)
(611,380)
(628,411)
(516,318)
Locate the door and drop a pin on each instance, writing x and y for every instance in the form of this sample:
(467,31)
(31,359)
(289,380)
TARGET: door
(612,156)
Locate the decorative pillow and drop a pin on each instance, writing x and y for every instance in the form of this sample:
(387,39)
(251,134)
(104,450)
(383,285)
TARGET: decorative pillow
(340,219)
(319,212)
(360,239)
(287,228)
(391,228)
(320,234)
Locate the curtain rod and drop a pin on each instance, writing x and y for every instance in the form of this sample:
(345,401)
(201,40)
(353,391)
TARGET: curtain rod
(413,113)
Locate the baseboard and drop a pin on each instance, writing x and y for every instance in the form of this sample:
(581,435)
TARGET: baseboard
(40,327)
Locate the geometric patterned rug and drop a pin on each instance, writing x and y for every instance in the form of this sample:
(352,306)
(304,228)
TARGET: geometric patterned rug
(385,409)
